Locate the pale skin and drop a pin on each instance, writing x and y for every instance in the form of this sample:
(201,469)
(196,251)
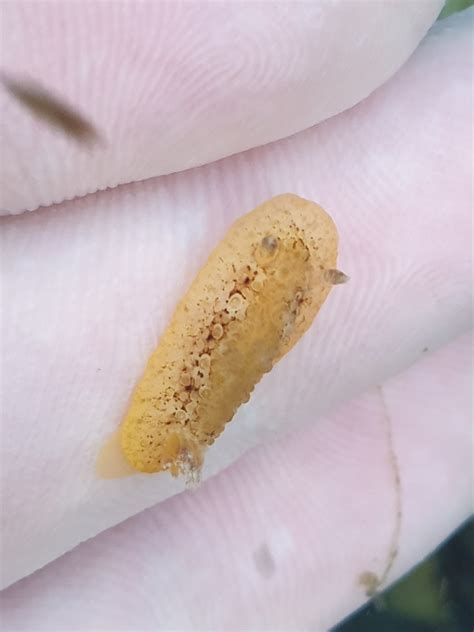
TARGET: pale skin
(361,434)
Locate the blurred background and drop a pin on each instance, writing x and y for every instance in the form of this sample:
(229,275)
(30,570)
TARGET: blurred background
(438,596)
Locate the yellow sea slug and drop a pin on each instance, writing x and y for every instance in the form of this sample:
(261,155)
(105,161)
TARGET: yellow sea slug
(254,298)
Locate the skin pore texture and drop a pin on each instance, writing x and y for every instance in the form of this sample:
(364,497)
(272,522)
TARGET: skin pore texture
(257,294)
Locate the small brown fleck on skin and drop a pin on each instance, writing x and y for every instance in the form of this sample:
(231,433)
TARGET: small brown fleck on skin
(51,109)
(370,582)
(264,561)
(244,332)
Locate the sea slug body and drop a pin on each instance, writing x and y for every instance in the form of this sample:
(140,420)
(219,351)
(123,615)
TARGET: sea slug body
(259,291)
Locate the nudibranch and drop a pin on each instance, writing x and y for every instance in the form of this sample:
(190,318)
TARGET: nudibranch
(258,293)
